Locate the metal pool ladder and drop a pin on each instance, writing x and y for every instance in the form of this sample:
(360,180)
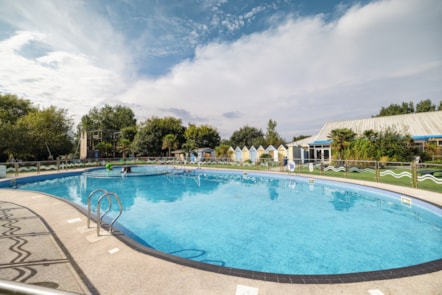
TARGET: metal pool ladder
(108,196)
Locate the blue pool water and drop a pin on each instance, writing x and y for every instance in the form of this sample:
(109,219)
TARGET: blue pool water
(271,223)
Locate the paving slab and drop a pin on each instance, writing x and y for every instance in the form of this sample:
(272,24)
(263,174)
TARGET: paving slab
(89,264)
(30,253)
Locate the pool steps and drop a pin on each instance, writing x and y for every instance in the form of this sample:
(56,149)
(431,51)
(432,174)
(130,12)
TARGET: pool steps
(108,196)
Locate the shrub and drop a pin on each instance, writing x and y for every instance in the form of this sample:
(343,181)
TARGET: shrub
(265,156)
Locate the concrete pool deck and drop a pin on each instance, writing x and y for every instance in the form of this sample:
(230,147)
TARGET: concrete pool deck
(44,241)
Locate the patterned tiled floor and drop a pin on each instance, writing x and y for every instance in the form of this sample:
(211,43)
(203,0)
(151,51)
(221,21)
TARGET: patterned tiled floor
(34,255)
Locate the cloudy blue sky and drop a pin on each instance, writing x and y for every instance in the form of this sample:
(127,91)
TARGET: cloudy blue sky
(225,63)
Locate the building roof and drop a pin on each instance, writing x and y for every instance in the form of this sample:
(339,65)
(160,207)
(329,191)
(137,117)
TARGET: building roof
(418,125)
(302,142)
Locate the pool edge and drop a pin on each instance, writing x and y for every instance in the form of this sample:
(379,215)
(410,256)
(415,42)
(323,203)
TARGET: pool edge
(414,270)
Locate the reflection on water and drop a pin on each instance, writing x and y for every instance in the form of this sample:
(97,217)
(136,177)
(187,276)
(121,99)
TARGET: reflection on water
(343,200)
(180,184)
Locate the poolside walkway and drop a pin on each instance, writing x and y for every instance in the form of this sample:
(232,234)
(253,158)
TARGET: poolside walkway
(45,241)
(33,254)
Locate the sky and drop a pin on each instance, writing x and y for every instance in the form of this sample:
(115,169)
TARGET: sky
(224,63)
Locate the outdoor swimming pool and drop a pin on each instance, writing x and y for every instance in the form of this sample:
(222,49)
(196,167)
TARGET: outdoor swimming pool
(266,222)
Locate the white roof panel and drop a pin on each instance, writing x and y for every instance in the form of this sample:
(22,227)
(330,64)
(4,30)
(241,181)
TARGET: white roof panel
(418,124)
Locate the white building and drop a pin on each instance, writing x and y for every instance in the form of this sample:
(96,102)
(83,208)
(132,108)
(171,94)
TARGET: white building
(422,127)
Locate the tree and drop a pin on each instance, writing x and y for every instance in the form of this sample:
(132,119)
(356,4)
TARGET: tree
(430,148)
(247,136)
(108,118)
(128,133)
(54,128)
(170,141)
(425,106)
(16,142)
(202,136)
(104,147)
(387,144)
(125,141)
(370,134)
(123,146)
(272,137)
(189,147)
(341,139)
(192,138)
(408,108)
(13,108)
(394,145)
(395,109)
(12,141)
(44,134)
(148,140)
(108,122)
(360,149)
(222,151)
(364,147)
(208,136)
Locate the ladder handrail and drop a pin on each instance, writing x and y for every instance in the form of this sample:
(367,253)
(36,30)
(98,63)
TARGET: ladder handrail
(109,196)
(99,218)
(89,204)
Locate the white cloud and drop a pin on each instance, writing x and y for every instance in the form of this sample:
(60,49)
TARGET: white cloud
(254,11)
(84,64)
(58,78)
(71,27)
(308,71)
(301,73)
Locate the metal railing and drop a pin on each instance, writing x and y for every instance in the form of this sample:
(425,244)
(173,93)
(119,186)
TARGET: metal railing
(99,219)
(427,176)
(409,174)
(10,287)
